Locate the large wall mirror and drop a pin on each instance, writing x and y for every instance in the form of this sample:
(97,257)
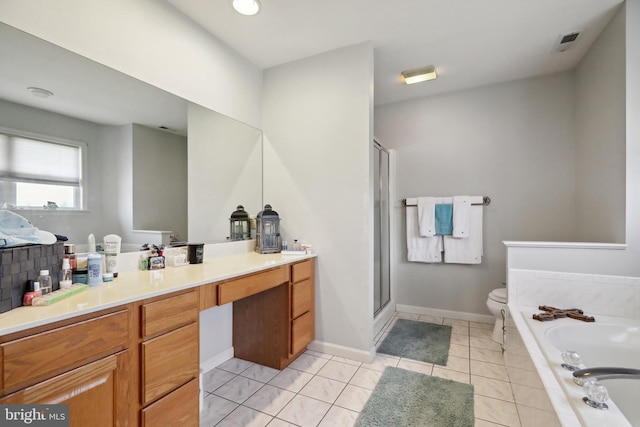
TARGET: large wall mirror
(153,161)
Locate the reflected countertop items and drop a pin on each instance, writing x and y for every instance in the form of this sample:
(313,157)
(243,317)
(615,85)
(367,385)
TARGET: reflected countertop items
(137,285)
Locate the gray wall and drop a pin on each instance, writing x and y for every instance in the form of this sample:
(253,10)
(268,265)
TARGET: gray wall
(77,225)
(159,181)
(318,176)
(549,151)
(513,142)
(600,137)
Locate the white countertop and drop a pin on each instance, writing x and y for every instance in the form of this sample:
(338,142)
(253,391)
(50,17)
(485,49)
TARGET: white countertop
(137,285)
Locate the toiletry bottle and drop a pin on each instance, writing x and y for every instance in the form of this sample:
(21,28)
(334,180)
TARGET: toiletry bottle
(94,269)
(91,243)
(65,276)
(70,253)
(45,282)
(31,292)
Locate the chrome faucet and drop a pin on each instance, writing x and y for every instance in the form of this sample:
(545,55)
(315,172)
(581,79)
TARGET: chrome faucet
(581,376)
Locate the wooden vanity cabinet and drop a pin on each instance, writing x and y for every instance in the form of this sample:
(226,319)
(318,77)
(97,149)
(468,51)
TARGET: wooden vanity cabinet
(301,307)
(170,360)
(272,313)
(83,362)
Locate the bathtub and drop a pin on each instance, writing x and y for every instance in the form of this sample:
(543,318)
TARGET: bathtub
(610,341)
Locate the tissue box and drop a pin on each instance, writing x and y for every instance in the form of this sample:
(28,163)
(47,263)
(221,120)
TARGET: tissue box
(176,257)
(22,263)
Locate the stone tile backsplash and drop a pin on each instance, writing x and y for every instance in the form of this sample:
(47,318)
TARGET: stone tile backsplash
(593,293)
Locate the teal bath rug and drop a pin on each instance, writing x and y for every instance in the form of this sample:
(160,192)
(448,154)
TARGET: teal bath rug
(410,399)
(421,341)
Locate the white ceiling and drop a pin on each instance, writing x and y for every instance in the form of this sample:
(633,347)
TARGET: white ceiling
(82,88)
(471,42)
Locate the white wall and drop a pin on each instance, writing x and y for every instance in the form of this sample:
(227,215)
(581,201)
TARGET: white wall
(149,40)
(605,261)
(317,123)
(159,181)
(600,137)
(513,142)
(225,170)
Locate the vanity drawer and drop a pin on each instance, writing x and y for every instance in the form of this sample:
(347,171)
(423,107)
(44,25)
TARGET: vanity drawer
(41,356)
(301,297)
(301,271)
(301,332)
(169,361)
(169,313)
(179,408)
(246,286)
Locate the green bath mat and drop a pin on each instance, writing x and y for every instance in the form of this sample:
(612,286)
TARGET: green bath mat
(421,341)
(410,399)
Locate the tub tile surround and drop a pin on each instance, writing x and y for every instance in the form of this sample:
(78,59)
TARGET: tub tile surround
(608,298)
(594,293)
(319,389)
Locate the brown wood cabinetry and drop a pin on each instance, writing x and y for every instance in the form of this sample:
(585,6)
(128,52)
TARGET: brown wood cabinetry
(84,364)
(170,360)
(138,364)
(273,314)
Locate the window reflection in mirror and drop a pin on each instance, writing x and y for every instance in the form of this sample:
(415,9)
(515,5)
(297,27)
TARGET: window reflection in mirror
(137,148)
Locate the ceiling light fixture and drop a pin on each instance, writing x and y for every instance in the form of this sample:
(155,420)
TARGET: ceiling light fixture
(246,7)
(419,75)
(39,92)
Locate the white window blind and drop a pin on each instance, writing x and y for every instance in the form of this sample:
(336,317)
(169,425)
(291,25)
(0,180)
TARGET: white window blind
(31,160)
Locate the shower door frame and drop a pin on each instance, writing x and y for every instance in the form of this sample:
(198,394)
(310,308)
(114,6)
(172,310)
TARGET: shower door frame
(380,233)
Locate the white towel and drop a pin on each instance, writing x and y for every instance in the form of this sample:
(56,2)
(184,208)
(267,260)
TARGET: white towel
(461,216)
(467,250)
(421,249)
(427,216)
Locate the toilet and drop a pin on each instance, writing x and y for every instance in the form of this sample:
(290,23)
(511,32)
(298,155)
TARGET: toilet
(496,302)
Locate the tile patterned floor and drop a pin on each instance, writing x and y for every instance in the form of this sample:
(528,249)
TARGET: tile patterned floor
(327,391)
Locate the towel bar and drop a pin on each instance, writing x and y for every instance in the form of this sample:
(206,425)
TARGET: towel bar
(486,200)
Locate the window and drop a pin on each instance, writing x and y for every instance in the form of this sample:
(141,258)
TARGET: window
(40,172)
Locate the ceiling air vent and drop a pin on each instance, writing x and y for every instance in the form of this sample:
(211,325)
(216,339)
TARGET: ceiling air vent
(566,41)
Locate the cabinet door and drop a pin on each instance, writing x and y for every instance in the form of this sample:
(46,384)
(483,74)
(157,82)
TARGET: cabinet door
(169,361)
(91,391)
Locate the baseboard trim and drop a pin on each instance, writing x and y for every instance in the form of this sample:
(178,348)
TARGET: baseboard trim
(342,351)
(383,317)
(216,360)
(473,317)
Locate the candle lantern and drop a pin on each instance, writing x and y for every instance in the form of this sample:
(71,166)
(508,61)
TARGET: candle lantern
(240,225)
(268,231)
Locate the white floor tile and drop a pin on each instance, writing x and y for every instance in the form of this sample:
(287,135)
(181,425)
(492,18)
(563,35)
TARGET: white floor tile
(338,371)
(245,417)
(338,416)
(304,411)
(291,379)
(324,389)
(269,399)
(214,409)
(353,397)
(319,389)
(238,389)
(367,378)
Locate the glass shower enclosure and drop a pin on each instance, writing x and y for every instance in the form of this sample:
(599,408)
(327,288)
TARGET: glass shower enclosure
(382,272)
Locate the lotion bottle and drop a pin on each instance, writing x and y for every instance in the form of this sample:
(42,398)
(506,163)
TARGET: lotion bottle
(65,277)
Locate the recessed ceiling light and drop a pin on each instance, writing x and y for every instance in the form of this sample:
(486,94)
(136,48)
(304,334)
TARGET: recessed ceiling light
(419,75)
(246,7)
(39,92)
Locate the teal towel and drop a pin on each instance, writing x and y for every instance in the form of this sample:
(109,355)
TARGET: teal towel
(444,219)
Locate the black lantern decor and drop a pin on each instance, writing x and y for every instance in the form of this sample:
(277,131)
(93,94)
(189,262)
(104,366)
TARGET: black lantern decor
(240,225)
(268,231)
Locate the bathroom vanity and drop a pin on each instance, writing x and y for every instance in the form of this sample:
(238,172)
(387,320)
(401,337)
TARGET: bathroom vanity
(127,353)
